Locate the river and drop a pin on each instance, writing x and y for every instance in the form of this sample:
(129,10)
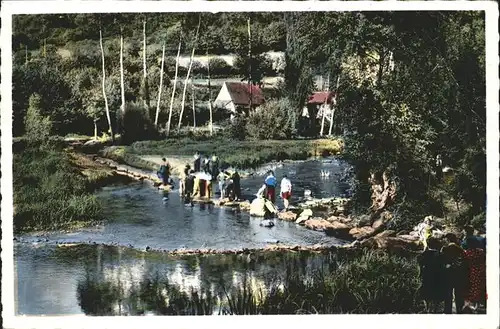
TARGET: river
(55,280)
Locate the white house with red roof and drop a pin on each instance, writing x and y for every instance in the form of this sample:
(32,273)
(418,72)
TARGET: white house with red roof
(319,102)
(235,96)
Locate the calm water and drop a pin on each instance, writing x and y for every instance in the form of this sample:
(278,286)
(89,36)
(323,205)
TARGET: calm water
(139,217)
(98,280)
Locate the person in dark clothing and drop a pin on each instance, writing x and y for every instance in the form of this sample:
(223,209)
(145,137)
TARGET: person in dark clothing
(206,165)
(431,275)
(164,172)
(455,274)
(189,187)
(214,166)
(197,162)
(236,188)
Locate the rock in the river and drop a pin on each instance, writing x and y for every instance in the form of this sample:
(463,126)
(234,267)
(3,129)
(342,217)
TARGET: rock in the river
(409,237)
(245,205)
(385,234)
(320,224)
(364,220)
(361,232)
(341,219)
(287,216)
(306,213)
(339,230)
(257,207)
(301,220)
(267,223)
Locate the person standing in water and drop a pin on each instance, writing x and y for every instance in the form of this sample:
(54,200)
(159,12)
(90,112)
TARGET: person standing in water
(236,186)
(221,178)
(189,187)
(164,172)
(270,183)
(286,191)
(197,162)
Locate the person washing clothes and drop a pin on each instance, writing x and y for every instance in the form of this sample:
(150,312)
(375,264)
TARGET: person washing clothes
(270,182)
(286,191)
(164,172)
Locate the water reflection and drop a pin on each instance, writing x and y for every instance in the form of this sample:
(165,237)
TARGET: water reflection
(118,281)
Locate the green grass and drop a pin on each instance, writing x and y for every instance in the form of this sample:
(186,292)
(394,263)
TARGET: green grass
(49,192)
(240,154)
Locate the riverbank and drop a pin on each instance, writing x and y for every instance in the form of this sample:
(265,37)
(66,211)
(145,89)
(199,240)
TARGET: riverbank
(53,188)
(237,154)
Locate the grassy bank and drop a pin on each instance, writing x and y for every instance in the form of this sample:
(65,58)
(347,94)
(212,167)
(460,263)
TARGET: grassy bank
(364,282)
(240,154)
(50,190)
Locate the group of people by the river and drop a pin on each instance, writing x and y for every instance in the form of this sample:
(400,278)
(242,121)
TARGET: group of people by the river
(206,173)
(453,270)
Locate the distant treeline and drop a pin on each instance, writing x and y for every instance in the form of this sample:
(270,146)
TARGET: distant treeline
(223,33)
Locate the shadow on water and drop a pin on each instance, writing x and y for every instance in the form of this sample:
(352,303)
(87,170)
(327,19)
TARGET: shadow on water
(120,281)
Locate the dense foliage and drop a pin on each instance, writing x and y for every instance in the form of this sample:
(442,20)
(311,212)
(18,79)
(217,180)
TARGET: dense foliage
(410,86)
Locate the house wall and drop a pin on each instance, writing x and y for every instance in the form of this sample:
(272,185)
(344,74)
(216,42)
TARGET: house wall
(224,100)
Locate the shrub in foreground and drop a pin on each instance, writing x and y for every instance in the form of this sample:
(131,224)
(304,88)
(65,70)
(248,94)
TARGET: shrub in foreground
(49,193)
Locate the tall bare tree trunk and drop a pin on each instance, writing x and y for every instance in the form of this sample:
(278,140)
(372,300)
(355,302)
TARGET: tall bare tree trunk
(194,110)
(334,106)
(323,114)
(187,75)
(104,89)
(95,129)
(250,80)
(174,86)
(161,85)
(145,77)
(211,127)
(122,84)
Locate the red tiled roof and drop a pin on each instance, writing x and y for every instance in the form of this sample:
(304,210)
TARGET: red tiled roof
(240,93)
(319,97)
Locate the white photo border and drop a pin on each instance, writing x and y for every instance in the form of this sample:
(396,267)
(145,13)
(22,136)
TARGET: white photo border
(490,320)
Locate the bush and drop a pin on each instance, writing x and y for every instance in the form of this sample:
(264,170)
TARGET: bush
(219,67)
(136,125)
(273,120)
(37,127)
(48,192)
(237,128)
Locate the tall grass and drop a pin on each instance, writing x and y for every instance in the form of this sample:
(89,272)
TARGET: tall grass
(49,193)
